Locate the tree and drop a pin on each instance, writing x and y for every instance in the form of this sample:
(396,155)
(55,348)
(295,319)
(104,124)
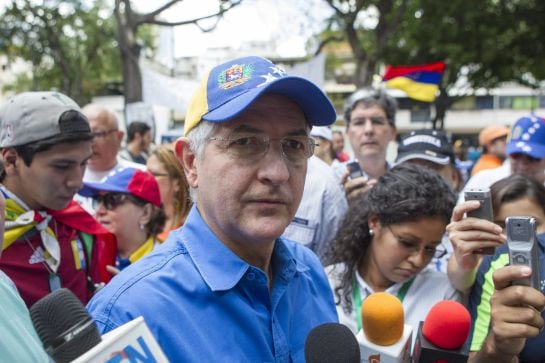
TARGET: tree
(484,43)
(69,45)
(367,44)
(130,21)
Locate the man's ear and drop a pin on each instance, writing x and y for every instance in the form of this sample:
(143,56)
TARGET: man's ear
(188,159)
(9,156)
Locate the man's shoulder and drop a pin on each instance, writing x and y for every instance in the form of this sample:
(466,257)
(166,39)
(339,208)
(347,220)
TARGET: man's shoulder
(138,288)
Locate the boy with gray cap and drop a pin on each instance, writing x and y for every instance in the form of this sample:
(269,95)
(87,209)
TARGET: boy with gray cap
(49,241)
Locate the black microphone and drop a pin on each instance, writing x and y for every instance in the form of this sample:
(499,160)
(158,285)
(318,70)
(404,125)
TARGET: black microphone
(330,343)
(64,325)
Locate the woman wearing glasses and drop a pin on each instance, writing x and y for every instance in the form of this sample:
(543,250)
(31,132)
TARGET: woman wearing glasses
(387,239)
(173,187)
(129,206)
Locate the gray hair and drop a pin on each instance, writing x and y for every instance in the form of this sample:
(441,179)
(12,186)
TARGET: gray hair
(371,97)
(198,137)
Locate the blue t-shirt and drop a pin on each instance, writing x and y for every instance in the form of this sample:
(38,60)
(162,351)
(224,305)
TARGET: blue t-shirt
(204,303)
(479,303)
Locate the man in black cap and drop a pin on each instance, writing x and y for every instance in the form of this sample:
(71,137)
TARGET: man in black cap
(432,149)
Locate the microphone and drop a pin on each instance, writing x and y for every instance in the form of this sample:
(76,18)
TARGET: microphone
(63,325)
(384,336)
(69,334)
(331,342)
(442,335)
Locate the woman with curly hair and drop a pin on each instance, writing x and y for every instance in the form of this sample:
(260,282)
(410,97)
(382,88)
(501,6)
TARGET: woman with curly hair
(387,239)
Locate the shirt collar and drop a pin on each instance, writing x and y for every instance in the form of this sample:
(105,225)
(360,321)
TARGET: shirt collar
(222,269)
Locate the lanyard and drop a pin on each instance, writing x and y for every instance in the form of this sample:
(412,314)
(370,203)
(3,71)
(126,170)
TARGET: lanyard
(356,297)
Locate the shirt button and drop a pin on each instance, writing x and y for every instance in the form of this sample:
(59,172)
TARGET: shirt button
(250,276)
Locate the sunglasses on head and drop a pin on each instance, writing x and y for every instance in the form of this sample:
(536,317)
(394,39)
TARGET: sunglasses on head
(110,201)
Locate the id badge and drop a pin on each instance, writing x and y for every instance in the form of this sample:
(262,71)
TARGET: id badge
(54,282)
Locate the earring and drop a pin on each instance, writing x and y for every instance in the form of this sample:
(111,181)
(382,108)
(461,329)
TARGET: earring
(371,232)
(141,226)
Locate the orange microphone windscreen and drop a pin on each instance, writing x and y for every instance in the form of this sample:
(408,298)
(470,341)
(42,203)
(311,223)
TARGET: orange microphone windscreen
(382,318)
(447,325)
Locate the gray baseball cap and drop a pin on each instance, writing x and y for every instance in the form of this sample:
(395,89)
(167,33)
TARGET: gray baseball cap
(33,116)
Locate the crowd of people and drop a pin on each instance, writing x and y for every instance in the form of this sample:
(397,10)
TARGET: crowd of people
(249,231)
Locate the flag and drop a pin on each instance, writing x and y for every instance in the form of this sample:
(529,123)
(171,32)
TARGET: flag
(420,82)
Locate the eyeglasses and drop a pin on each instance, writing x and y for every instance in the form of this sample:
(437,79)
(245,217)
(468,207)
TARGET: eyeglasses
(412,247)
(295,149)
(157,174)
(521,156)
(111,201)
(102,134)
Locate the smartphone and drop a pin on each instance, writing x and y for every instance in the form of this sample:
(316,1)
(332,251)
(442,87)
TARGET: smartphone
(354,169)
(483,212)
(523,248)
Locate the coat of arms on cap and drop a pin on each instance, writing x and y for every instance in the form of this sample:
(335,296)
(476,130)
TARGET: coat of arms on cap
(235,75)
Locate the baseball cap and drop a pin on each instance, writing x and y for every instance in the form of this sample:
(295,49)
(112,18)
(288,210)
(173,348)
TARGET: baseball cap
(140,183)
(322,131)
(33,116)
(231,87)
(528,137)
(492,132)
(432,145)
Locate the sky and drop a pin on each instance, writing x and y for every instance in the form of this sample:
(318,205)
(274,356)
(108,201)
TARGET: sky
(286,22)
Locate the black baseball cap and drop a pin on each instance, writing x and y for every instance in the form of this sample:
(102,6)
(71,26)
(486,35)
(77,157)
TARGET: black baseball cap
(431,145)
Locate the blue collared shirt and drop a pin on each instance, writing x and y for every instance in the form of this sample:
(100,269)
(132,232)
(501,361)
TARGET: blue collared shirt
(204,303)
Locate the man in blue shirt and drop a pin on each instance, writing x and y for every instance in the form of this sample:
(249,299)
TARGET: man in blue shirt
(225,286)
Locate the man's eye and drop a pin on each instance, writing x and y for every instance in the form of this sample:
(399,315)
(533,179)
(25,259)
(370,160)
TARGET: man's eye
(245,141)
(294,144)
(61,166)
(378,120)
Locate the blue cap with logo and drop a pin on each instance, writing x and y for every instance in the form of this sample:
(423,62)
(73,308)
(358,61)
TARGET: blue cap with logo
(528,137)
(233,86)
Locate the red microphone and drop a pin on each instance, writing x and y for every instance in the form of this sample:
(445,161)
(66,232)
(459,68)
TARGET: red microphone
(442,335)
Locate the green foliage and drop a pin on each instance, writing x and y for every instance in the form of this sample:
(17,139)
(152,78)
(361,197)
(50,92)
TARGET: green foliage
(488,41)
(70,45)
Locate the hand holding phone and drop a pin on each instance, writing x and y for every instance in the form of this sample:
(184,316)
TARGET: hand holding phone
(483,212)
(354,169)
(523,248)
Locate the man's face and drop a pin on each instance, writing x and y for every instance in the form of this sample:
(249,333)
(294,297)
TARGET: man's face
(526,165)
(53,177)
(338,142)
(249,201)
(497,147)
(323,150)
(146,141)
(105,144)
(369,131)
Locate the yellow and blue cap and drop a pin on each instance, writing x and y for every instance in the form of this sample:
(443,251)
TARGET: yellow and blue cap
(233,86)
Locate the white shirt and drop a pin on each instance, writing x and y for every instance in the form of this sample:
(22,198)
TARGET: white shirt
(428,288)
(322,208)
(485,178)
